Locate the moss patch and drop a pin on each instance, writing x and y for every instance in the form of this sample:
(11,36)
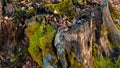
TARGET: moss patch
(103,62)
(63,8)
(73,62)
(40,37)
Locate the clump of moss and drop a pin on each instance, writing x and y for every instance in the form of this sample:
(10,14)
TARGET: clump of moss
(103,62)
(73,62)
(40,37)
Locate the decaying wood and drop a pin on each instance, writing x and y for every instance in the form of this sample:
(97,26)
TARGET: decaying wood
(80,38)
(83,35)
(107,19)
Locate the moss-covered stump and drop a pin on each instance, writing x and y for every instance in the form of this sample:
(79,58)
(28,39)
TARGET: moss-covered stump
(41,37)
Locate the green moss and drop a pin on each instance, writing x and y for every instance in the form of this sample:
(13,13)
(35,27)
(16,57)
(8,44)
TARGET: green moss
(117,65)
(73,62)
(63,8)
(40,37)
(71,14)
(103,62)
(31,11)
(111,44)
(114,45)
(13,59)
(18,55)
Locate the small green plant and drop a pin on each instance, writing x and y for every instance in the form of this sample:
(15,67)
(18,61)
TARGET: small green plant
(61,7)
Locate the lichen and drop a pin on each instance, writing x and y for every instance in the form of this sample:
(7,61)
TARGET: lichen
(40,37)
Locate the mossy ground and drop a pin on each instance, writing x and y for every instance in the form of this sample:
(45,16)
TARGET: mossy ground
(105,62)
(102,61)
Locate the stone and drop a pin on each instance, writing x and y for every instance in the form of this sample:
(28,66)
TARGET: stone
(55,11)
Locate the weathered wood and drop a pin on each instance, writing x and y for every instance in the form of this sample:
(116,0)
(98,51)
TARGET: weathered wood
(83,35)
(107,19)
(80,36)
